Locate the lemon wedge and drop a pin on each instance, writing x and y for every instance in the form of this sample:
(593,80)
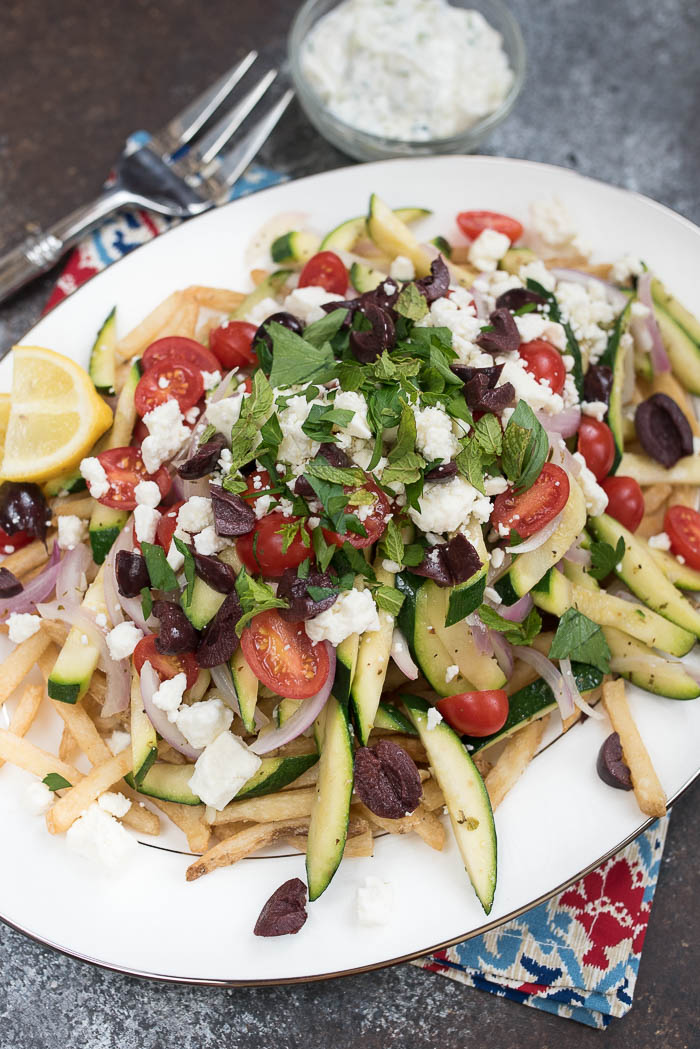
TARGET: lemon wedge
(55,416)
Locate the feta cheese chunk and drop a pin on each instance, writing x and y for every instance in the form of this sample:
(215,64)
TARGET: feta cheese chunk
(402,268)
(224,413)
(595,496)
(145,523)
(98,837)
(434,716)
(533,326)
(538,395)
(595,409)
(196,514)
(305,303)
(208,542)
(625,268)
(119,741)
(71,531)
(659,542)
(202,722)
(166,435)
(123,639)
(434,436)
(211,379)
(353,611)
(221,770)
(451,673)
(37,798)
(261,311)
(354,402)
(296,447)
(147,493)
(553,231)
(374,901)
(447,506)
(168,695)
(22,625)
(114,803)
(95,477)
(488,249)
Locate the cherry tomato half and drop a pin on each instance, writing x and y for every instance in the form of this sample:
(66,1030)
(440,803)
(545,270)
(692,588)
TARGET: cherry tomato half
(177,348)
(597,446)
(527,512)
(625,501)
(472,223)
(682,526)
(372,517)
(167,525)
(125,468)
(262,550)
(283,657)
(165,666)
(14,541)
(325,270)
(476,713)
(544,362)
(232,345)
(166,380)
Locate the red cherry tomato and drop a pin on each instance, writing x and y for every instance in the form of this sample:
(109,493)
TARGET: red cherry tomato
(262,550)
(165,666)
(14,541)
(247,384)
(625,501)
(232,345)
(472,223)
(283,657)
(682,525)
(124,468)
(476,713)
(258,484)
(597,446)
(374,523)
(527,512)
(166,380)
(167,525)
(176,349)
(544,362)
(325,270)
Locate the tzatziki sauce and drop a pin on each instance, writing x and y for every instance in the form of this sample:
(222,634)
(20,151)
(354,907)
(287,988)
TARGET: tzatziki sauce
(406,69)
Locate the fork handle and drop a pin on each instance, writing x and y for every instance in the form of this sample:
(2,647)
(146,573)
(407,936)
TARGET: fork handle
(40,251)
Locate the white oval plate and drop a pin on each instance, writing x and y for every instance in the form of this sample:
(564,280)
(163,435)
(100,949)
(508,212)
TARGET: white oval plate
(558,821)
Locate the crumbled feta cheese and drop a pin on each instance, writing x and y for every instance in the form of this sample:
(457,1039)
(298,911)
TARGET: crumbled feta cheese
(492,595)
(123,639)
(451,673)
(495,485)
(101,619)
(458,314)
(533,326)
(305,303)
(208,542)
(192,414)
(537,271)
(22,625)
(374,901)
(119,741)
(538,395)
(196,514)
(262,310)
(145,523)
(390,566)
(202,722)
(445,507)
(434,436)
(696,445)
(497,557)
(596,499)
(296,447)
(168,695)
(552,230)
(659,542)
(402,268)
(37,798)
(488,249)
(163,382)
(587,309)
(625,268)
(166,434)
(353,611)
(114,803)
(147,493)
(174,558)
(354,402)
(211,379)
(99,837)
(95,477)
(596,409)
(71,531)
(221,770)
(224,413)
(261,506)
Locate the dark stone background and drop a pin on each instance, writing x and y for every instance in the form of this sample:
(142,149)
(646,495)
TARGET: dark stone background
(612,91)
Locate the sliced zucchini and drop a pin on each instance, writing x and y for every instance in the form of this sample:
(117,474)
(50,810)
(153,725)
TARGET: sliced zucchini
(76,663)
(682,576)
(391,719)
(466,798)
(478,667)
(275,773)
(683,351)
(345,664)
(270,287)
(294,247)
(345,236)
(205,602)
(364,278)
(514,258)
(417,622)
(650,671)
(328,827)
(393,236)
(246,686)
(167,782)
(102,366)
(65,484)
(144,741)
(105,525)
(443,246)
(647,471)
(372,662)
(617,358)
(683,317)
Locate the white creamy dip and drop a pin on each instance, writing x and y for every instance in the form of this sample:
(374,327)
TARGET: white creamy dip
(406,69)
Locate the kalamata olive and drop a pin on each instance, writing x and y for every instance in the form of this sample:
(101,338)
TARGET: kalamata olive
(481,397)
(132,573)
(466,373)
(233,516)
(437,284)
(450,563)
(597,383)
(219,638)
(367,346)
(334,455)
(287,320)
(384,296)
(10,585)
(285,911)
(663,430)
(443,472)
(214,572)
(176,632)
(23,508)
(204,459)
(387,780)
(504,338)
(303,488)
(516,298)
(611,765)
(302,605)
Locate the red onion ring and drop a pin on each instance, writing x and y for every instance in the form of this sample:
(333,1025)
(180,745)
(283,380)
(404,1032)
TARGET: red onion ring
(401,655)
(480,635)
(221,676)
(516,613)
(150,683)
(74,565)
(577,555)
(301,718)
(659,357)
(503,652)
(570,681)
(552,676)
(38,589)
(565,423)
(538,539)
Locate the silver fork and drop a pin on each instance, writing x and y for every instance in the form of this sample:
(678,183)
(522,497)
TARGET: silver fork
(178,172)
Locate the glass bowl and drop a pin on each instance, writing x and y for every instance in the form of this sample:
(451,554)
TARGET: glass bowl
(366,146)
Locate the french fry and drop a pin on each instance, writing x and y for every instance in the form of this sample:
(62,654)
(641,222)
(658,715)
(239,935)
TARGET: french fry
(270,808)
(215,298)
(68,749)
(19,751)
(191,821)
(18,664)
(522,674)
(401,826)
(433,797)
(184,321)
(411,744)
(67,809)
(591,698)
(652,524)
(258,276)
(648,791)
(81,506)
(235,848)
(146,332)
(307,779)
(79,724)
(57,632)
(31,556)
(431,830)
(656,496)
(514,759)
(686,495)
(483,765)
(25,711)
(300,745)
(138,817)
(359,842)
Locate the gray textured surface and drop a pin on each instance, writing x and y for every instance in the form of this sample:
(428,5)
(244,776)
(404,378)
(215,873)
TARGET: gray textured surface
(612,91)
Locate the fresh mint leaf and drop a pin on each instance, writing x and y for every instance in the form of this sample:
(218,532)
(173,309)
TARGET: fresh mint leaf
(579,638)
(376,453)
(391,546)
(350,376)
(320,593)
(605,558)
(406,470)
(159,571)
(321,468)
(350,559)
(470,465)
(207,434)
(572,345)
(523,462)
(465,599)
(410,303)
(303,569)
(271,436)
(515,633)
(290,531)
(259,405)
(188,567)
(255,597)
(515,444)
(405,437)
(488,433)
(323,330)
(413,555)
(388,599)
(321,419)
(54,781)
(384,407)
(234,484)
(244,441)
(323,551)
(296,361)
(146,602)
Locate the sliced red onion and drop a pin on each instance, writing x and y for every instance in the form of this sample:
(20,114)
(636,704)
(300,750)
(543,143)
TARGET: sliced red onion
(615,297)
(480,635)
(482,308)
(71,573)
(178,487)
(401,655)
(659,357)
(579,556)
(150,683)
(517,612)
(561,456)
(536,540)
(570,680)
(301,718)
(221,676)
(565,423)
(552,676)
(38,589)
(198,487)
(503,652)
